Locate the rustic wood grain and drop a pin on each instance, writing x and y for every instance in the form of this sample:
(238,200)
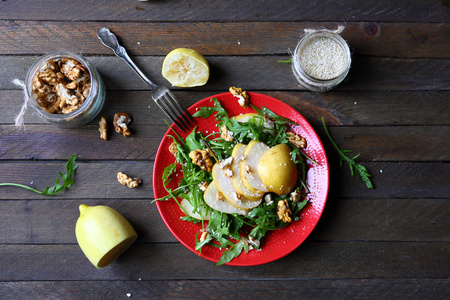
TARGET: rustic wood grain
(408,220)
(256,38)
(97,180)
(312,260)
(198,10)
(414,288)
(399,143)
(372,108)
(249,72)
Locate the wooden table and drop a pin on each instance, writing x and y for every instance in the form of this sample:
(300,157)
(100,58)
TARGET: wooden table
(389,242)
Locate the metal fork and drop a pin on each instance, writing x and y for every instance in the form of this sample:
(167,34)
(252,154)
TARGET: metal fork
(162,96)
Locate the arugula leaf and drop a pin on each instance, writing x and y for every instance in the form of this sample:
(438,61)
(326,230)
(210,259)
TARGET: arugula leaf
(355,168)
(275,118)
(205,112)
(233,252)
(287,61)
(67,180)
(193,140)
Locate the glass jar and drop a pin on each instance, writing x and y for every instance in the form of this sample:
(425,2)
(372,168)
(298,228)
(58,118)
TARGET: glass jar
(87,111)
(337,46)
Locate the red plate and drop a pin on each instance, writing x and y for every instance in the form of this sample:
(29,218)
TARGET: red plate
(275,244)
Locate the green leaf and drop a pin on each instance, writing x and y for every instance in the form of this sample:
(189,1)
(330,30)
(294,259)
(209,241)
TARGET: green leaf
(67,180)
(359,169)
(287,61)
(205,112)
(231,253)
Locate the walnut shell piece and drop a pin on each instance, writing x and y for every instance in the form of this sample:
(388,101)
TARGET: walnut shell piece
(121,120)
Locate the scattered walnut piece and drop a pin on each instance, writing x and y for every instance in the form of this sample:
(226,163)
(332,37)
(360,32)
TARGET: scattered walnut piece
(225,133)
(243,96)
(121,120)
(254,242)
(173,148)
(248,169)
(296,140)
(204,236)
(103,129)
(202,158)
(295,196)
(204,186)
(284,213)
(220,196)
(128,181)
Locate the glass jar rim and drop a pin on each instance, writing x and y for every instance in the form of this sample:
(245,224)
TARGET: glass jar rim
(83,107)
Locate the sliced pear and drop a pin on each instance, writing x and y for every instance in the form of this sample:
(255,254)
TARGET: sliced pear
(238,157)
(249,167)
(224,206)
(246,117)
(188,208)
(226,187)
(277,170)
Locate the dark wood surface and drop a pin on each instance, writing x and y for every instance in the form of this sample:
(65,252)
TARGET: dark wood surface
(390,242)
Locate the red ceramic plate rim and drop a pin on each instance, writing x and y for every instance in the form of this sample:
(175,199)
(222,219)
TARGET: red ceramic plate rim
(276,244)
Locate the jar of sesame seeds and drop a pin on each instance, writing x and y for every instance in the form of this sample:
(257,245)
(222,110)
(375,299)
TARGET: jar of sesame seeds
(321,60)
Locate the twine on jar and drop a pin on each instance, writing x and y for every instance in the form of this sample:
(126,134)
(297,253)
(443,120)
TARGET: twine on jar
(339,30)
(18,120)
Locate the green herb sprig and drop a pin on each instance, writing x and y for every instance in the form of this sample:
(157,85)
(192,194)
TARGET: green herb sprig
(355,168)
(67,180)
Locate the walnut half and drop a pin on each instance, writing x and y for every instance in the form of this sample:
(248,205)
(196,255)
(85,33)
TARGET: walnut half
(243,96)
(121,120)
(284,213)
(202,158)
(128,181)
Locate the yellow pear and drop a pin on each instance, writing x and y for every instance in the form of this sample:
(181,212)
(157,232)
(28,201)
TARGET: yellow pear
(103,234)
(277,170)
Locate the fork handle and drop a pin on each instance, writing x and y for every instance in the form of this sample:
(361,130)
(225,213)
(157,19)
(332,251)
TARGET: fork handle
(122,53)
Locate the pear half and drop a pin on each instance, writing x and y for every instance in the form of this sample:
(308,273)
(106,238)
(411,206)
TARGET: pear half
(103,234)
(277,170)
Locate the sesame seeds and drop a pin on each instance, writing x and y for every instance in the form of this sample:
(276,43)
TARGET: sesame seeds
(322,58)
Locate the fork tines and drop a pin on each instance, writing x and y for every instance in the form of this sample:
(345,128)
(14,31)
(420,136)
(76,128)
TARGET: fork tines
(175,112)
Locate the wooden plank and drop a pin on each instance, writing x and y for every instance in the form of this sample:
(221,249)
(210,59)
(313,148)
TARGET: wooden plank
(312,260)
(197,10)
(414,220)
(396,143)
(338,108)
(410,40)
(414,288)
(250,72)
(97,180)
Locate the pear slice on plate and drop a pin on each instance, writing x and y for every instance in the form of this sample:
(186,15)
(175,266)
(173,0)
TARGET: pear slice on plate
(226,187)
(189,209)
(211,199)
(238,157)
(249,167)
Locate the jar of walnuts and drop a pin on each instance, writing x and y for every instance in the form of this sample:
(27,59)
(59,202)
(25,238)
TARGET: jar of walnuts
(65,89)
